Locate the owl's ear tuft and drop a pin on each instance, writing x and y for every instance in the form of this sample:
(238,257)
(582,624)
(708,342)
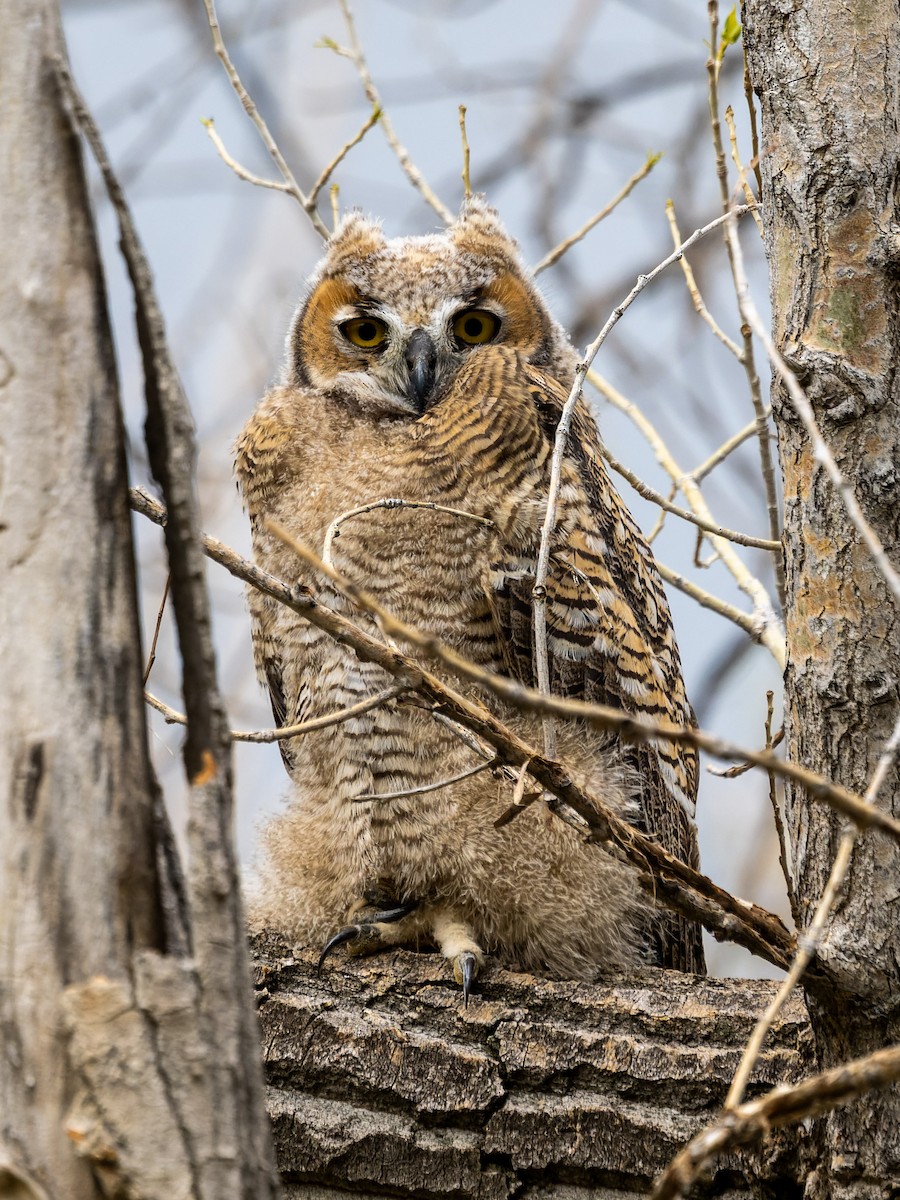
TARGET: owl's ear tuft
(479,230)
(356,237)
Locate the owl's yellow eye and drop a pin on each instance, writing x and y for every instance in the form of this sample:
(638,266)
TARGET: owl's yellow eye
(366,332)
(475,326)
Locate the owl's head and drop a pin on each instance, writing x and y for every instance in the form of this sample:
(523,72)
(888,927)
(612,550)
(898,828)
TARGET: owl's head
(388,322)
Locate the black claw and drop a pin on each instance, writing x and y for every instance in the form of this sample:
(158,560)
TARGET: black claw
(467,969)
(347,934)
(366,930)
(388,915)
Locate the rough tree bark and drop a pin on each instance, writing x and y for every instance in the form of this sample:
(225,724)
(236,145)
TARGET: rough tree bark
(827,73)
(124,1063)
(381,1083)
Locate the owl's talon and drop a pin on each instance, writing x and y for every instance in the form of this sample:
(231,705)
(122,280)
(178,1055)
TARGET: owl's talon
(387,915)
(366,932)
(347,934)
(465,969)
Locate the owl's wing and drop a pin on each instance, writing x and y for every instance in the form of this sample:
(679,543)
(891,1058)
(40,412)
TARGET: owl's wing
(609,630)
(256,454)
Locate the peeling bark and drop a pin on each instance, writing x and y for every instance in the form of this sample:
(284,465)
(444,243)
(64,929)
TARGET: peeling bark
(828,78)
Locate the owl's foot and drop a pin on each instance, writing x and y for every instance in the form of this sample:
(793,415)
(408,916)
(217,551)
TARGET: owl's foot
(458,944)
(370,935)
(388,927)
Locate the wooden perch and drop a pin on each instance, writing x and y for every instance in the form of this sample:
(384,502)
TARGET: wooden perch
(381,1082)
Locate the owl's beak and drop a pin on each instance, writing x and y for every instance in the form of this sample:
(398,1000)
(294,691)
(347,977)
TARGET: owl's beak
(421,363)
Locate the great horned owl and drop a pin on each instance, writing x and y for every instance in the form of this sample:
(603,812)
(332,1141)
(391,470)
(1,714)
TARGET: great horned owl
(429,369)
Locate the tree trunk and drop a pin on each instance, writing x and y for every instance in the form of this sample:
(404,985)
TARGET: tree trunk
(381,1082)
(114,1079)
(827,73)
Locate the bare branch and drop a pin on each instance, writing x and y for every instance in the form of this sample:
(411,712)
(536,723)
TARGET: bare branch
(334,528)
(520,800)
(718,456)
(151,657)
(785,859)
(771,631)
(292,186)
(705,599)
(649,493)
(277,185)
(333,193)
(694,291)
(783,1105)
(173,717)
(412,172)
(742,174)
(739,769)
(428,787)
(466,176)
(558,251)
(754,131)
(327,171)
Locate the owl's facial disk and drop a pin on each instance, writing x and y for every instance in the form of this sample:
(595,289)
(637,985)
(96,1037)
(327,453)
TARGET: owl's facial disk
(389,322)
(404,360)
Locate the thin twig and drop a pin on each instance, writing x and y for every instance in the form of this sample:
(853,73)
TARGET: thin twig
(293,188)
(463,734)
(466,176)
(739,769)
(694,291)
(747,357)
(334,528)
(173,717)
(808,943)
(742,174)
(784,850)
(783,1105)
(520,798)
(754,131)
(277,185)
(329,169)
(333,193)
(428,787)
(770,630)
(151,657)
(558,251)
(718,456)
(649,493)
(412,172)
(746,621)
(660,522)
